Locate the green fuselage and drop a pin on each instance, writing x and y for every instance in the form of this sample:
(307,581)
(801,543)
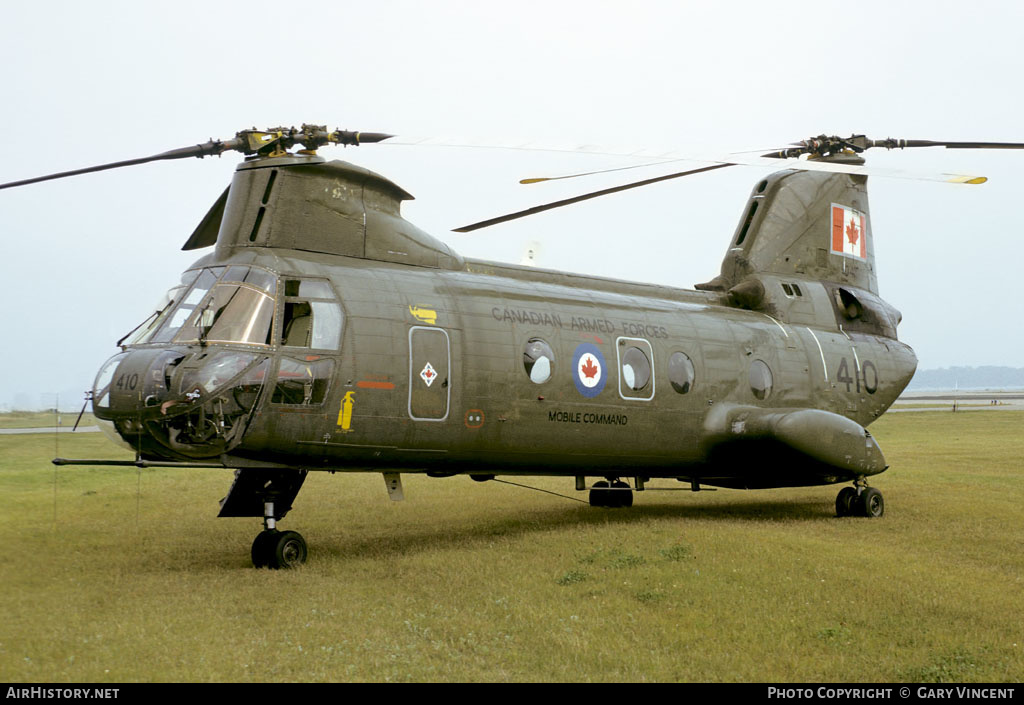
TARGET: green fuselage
(486,415)
(330,333)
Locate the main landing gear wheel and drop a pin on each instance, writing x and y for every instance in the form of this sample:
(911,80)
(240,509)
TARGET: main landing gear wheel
(260,551)
(621,494)
(279,549)
(868,503)
(611,494)
(845,500)
(599,494)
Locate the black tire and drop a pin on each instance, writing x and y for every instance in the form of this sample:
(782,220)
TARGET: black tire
(622,496)
(288,550)
(262,546)
(599,494)
(845,501)
(870,503)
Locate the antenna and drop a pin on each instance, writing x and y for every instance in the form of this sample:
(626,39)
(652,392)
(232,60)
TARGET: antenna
(531,254)
(56,424)
(56,447)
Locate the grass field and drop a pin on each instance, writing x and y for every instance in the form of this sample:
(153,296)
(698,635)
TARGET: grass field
(121,575)
(40,419)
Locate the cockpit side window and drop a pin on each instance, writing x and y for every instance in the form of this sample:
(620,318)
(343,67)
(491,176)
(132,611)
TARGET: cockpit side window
(233,313)
(144,331)
(184,309)
(312,315)
(298,324)
(260,278)
(302,382)
(236,304)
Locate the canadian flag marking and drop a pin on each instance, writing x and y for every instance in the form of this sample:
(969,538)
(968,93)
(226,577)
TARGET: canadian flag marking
(849,232)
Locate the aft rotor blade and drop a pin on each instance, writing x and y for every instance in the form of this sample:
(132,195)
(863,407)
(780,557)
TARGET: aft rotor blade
(776,159)
(837,168)
(541,179)
(829,145)
(663,159)
(782,162)
(802,164)
(584,197)
(960,145)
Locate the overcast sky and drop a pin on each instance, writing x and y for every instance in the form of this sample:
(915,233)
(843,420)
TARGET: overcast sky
(85,259)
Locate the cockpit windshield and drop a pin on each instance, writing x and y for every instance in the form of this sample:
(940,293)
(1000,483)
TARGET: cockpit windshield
(216,304)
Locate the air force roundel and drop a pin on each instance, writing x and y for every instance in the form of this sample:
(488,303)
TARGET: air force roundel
(589,371)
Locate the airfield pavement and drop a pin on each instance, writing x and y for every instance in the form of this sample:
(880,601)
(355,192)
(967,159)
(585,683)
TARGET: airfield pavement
(965,400)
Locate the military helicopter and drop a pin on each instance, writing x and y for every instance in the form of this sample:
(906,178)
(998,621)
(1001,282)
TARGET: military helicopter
(326,332)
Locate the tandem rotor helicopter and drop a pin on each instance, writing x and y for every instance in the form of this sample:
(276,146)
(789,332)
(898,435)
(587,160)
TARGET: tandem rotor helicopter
(324,331)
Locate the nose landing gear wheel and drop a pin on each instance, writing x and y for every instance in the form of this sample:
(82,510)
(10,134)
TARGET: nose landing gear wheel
(279,549)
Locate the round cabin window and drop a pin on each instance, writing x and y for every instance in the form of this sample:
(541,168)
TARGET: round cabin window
(538,360)
(680,372)
(636,369)
(760,379)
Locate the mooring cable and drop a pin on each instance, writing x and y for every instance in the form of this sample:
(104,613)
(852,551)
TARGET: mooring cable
(527,487)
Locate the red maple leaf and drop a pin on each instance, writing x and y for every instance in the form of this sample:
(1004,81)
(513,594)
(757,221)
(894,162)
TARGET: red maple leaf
(852,233)
(589,369)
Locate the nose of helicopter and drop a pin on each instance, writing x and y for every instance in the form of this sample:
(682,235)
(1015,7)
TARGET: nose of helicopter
(133,381)
(128,391)
(178,403)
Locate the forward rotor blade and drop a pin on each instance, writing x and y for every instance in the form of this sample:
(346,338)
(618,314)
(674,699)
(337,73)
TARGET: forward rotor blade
(651,157)
(584,197)
(271,142)
(519,146)
(541,179)
(200,150)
